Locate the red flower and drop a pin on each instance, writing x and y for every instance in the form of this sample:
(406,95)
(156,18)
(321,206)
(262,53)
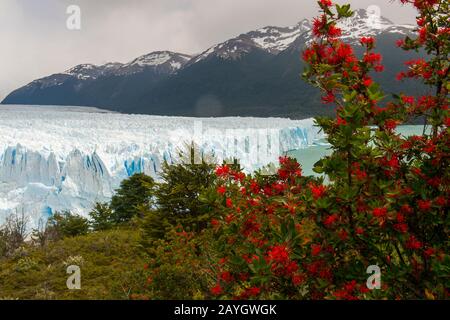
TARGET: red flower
(239,176)
(291,267)
(420,21)
(229,218)
(424,205)
(430,147)
(229,203)
(243,276)
(413,243)
(408,100)
(343,235)
(367,81)
(221,190)
(400,218)
(278,254)
(318,25)
(315,249)
(226,276)
(379,68)
(215,222)
(298,279)
(308,55)
(400,43)
(326,3)
(340,121)
(379,212)
(334,32)
(217,290)
(369,41)
(317,191)
(222,171)
(423,34)
(329,98)
(372,58)
(359,230)
(344,51)
(253,291)
(330,220)
(440,201)
(429,252)
(401,227)
(447,121)
(390,124)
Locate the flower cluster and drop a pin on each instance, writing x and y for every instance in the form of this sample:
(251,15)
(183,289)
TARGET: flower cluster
(386,200)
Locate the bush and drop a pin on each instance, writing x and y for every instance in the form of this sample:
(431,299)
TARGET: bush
(386,203)
(111,265)
(179,195)
(66,224)
(13,233)
(179,267)
(182,198)
(101,217)
(134,195)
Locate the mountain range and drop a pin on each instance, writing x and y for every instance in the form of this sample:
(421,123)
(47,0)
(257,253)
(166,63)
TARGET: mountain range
(254,74)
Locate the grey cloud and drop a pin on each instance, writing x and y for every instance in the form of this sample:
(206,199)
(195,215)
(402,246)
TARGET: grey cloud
(35,41)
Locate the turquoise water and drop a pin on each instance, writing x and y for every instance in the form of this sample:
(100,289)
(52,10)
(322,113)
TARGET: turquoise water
(309,156)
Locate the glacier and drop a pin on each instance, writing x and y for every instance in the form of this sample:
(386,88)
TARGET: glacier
(55,158)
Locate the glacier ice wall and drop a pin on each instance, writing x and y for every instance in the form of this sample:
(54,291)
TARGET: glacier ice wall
(68,158)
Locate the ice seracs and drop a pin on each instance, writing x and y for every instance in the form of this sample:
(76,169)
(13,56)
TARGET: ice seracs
(64,158)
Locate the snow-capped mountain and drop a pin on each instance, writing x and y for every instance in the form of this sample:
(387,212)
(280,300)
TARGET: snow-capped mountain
(277,39)
(253,74)
(162,61)
(269,39)
(91,71)
(366,24)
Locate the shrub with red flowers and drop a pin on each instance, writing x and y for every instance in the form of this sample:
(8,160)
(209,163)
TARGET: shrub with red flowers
(386,202)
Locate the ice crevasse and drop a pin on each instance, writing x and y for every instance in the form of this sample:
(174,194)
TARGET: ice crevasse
(68,158)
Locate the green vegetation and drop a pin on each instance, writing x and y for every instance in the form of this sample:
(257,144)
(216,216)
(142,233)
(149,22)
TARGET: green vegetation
(111,267)
(135,194)
(207,231)
(181,197)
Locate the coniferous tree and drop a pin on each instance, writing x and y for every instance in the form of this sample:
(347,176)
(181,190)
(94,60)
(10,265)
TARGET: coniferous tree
(67,224)
(134,193)
(101,217)
(180,195)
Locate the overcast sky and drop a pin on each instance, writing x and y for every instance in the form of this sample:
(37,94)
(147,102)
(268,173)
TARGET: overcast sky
(35,41)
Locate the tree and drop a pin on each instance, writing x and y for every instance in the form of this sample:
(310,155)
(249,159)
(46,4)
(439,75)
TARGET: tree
(386,202)
(181,195)
(13,233)
(101,217)
(66,224)
(134,194)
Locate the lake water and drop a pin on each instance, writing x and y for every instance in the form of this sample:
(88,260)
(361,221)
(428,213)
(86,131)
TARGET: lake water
(309,156)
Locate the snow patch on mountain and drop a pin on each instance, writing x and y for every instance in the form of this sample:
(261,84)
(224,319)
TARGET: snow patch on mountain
(171,61)
(91,71)
(277,39)
(364,24)
(270,39)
